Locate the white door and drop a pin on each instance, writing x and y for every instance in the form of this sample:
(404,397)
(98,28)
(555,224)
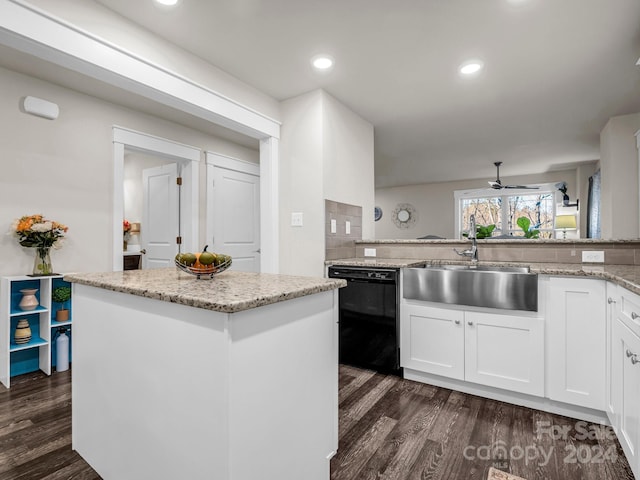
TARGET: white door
(160,218)
(233,212)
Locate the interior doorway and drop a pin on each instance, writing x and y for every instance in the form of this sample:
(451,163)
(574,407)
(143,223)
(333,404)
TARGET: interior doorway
(173,157)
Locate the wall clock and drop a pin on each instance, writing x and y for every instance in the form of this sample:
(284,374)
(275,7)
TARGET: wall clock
(404,215)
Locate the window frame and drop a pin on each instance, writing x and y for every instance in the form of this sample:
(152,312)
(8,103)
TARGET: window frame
(542,188)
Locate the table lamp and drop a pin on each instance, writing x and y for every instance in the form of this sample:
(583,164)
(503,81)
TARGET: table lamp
(564,222)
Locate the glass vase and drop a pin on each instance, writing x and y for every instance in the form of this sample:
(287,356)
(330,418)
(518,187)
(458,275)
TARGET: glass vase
(42,264)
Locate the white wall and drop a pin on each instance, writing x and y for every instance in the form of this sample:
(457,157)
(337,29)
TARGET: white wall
(348,160)
(301,189)
(435,204)
(619,164)
(326,152)
(64,169)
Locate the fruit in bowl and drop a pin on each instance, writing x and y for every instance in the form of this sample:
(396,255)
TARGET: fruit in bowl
(207,263)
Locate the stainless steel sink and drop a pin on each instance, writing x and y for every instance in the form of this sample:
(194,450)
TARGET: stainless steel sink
(511,288)
(480,268)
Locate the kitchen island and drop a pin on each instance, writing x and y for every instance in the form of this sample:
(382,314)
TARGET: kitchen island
(230,378)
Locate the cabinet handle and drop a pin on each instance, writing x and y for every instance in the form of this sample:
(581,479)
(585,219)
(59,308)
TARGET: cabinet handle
(457,322)
(634,315)
(470,324)
(629,353)
(634,359)
(610,300)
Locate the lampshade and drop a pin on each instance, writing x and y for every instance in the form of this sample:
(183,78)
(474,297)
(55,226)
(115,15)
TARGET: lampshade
(566,221)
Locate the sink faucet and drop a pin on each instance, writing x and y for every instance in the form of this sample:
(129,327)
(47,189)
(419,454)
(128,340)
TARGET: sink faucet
(473,251)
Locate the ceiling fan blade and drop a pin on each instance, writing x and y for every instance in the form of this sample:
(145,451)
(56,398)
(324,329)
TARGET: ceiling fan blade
(521,187)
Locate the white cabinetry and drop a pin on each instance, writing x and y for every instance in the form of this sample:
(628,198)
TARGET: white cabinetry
(612,301)
(494,349)
(433,340)
(576,326)
(625,383)
(38,353)
(505,351)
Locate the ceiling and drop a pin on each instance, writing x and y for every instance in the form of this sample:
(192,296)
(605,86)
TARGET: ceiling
(555,71)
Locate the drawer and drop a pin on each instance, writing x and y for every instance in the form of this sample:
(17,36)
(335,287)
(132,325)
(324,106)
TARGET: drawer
(629,310)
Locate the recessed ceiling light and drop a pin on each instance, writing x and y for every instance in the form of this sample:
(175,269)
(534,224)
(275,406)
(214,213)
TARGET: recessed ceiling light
(168,3)
(471,67)
(322,62)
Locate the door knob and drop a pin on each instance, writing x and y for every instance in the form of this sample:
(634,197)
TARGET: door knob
(457,322)
(629,353)
(470,324)
(634,315)
(610,300)
(143,251)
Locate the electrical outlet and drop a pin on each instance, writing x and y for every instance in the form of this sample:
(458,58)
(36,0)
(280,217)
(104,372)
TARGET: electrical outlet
(347,227)
(334,225)
(369,252)
(296,219)
(593,256)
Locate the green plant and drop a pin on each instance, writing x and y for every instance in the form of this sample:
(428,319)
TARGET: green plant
(61,294)
(483,231)
(525,224)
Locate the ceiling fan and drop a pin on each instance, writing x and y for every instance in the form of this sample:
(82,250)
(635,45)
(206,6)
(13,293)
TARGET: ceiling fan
(497,184)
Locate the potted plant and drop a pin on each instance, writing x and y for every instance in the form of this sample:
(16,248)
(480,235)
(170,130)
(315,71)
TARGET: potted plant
(61,295)
(482,231)
(525,224)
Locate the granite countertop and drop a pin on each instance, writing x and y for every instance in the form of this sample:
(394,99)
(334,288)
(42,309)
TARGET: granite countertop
(228,292)
(627,276)
(377,262)
(495,241)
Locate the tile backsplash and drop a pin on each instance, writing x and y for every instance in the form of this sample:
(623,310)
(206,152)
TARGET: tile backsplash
(341,244)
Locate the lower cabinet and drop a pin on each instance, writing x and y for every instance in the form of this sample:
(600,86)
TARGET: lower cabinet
(625,381)
(493,349)
(576,332)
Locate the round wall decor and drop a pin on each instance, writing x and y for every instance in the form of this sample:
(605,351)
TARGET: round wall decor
(404,215)
(377,213)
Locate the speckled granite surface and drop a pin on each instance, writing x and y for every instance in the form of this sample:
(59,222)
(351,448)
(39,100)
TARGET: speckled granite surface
(519,241)
(377,262)
(627,276)
(228,292)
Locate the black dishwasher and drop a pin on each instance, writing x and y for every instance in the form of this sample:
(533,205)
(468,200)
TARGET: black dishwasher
(369,329)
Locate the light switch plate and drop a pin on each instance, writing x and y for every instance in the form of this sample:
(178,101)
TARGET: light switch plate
(347,227)
(296,219)
(593,256)
(369,252)
(334,226)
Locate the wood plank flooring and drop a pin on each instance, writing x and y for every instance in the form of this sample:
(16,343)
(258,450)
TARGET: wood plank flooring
(395,429)
(389,429)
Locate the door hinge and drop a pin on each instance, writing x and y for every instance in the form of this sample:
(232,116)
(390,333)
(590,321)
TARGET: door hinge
(179,240)
(179,180)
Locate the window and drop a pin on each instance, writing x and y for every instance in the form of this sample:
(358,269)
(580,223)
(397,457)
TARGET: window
(503,208)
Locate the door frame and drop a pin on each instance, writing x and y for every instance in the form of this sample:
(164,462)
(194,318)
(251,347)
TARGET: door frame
(34,31)
(214,159)
(188,159)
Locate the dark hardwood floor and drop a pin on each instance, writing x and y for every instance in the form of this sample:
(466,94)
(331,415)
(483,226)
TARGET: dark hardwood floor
(397,429)
(389,429)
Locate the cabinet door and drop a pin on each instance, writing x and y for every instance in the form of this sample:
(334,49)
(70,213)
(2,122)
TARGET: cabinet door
(432,340)
(505,351)
(612,302)
(576,322)
(626,390)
